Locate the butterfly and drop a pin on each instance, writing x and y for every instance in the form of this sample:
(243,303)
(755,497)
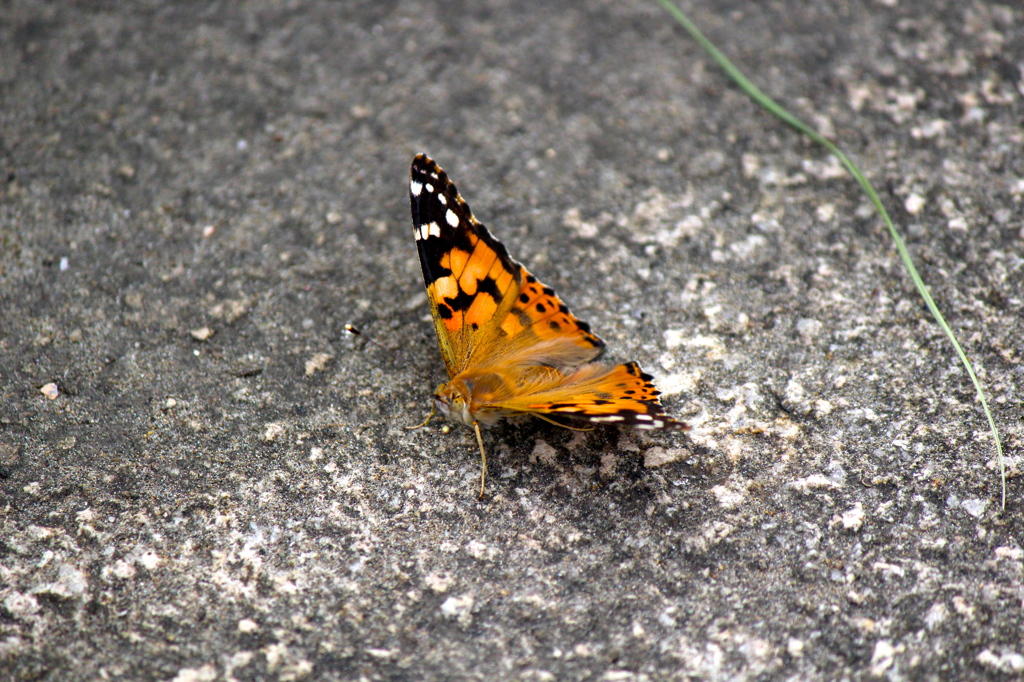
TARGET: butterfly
(510,345)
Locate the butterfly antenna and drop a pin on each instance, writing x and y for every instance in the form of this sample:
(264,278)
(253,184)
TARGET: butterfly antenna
(549,420)
(483,458)
(354,331)
(426,421)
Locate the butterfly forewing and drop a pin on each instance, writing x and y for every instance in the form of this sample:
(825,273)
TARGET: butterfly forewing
(453,249)
(485,305)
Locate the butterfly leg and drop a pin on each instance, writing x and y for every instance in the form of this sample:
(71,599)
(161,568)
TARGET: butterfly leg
(426,421)
(483,458)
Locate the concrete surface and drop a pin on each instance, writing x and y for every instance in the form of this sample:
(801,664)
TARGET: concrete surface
(195,202)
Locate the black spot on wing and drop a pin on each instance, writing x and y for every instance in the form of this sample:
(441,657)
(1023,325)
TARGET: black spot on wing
(488,286)
(461,302)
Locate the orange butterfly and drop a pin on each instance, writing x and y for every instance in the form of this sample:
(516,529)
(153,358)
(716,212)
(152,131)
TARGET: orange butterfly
(510,345)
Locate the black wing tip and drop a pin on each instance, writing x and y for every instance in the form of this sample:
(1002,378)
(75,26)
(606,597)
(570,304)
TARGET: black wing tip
(425,170)
(673,424)
(424,173)
(656,419)
(424,166)
(422,162)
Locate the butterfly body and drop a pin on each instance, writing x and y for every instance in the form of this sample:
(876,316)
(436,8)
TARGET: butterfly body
(510,345)
(469,398)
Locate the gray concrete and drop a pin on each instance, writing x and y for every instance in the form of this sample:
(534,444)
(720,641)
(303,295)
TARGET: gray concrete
(196,201)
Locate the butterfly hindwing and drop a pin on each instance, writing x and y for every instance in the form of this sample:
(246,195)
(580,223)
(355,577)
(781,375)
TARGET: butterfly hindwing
(538,315)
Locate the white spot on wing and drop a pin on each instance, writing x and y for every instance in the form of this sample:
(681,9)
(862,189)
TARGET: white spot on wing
(442,199)
(607,418)
(428,230)
(415,188)
(430,188)
(452,219)
(644,417)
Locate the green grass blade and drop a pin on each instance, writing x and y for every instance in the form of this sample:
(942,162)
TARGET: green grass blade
(766,102)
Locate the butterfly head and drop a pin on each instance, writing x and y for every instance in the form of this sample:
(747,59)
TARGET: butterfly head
(453,403)
(462,400)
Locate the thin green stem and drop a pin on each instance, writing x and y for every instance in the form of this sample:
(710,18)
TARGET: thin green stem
(766,102)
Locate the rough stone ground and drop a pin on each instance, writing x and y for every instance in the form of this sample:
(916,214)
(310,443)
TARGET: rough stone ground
(195,201)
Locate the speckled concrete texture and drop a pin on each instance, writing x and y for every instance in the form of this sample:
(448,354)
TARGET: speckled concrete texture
(202,477)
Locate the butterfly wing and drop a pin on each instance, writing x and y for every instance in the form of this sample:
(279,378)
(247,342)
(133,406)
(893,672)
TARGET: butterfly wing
(623,394)
(485,305)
